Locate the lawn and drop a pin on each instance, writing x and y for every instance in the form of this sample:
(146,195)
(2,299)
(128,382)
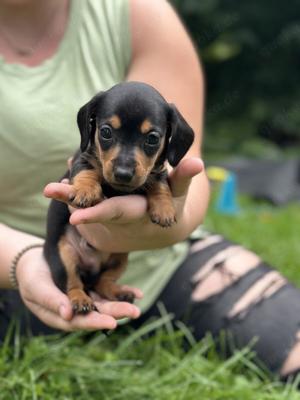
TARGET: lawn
(125,365)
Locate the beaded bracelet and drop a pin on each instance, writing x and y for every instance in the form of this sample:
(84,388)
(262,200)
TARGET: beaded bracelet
(13,267)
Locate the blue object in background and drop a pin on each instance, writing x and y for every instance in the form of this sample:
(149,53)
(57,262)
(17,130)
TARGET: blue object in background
(227,199)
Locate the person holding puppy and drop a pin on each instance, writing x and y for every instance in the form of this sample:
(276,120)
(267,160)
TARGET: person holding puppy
(55,55)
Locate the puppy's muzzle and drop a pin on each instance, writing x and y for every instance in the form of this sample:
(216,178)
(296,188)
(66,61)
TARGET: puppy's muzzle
(123,174)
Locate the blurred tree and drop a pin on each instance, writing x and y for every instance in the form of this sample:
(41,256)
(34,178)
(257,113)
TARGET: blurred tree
(251,56)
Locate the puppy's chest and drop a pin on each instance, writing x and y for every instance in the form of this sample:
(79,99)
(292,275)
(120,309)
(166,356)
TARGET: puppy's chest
(91,259)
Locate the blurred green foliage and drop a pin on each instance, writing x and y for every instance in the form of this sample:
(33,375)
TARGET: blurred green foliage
(251,56)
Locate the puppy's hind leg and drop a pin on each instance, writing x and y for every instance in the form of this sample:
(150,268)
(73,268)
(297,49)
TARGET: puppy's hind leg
(112,270)
(81,302)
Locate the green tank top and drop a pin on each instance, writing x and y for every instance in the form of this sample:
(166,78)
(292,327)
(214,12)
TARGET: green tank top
(38,131)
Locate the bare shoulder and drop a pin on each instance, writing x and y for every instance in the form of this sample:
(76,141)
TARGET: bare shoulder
(155,23)
(155,8)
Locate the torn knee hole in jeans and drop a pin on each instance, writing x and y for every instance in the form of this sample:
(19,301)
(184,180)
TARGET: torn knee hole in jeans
(292,362)
(262,289)
(206,242)
(222,270)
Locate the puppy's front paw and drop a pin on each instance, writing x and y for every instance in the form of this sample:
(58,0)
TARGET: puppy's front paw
(83,197)
(163,216)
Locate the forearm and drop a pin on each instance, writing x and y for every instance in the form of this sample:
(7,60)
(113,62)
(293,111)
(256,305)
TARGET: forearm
(196,202)
(11,243)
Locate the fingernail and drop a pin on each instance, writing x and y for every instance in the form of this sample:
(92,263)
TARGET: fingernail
(137,312)
(63,312)
(62,309)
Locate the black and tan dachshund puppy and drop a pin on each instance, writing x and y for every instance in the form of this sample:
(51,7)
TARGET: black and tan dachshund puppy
(127,135)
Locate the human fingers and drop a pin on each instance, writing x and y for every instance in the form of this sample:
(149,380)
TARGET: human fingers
(32,269)
(58,191)
(137,292)
(119,309)
(90,322)
(53,307)
(45,295)
(120,209)
(51,313)
(181,176)
(109,311)
(116,309)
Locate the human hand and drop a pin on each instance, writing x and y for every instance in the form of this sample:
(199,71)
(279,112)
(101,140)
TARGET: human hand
(53,307)
(122,224)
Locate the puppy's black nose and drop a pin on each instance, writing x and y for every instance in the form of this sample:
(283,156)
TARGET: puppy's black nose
(123,174)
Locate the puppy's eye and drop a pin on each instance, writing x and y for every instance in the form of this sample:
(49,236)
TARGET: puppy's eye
(152,139)
(105,132)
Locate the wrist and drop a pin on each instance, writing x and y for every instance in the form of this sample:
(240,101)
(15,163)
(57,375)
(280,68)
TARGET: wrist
(22,259)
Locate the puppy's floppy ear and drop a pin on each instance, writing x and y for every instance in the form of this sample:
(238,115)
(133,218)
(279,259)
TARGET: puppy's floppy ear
(86,120)
(181,136)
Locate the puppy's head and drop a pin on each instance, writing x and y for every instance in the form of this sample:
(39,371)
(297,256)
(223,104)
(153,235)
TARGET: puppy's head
(134,130)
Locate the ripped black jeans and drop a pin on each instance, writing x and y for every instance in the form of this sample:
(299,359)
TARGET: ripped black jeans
(244,298)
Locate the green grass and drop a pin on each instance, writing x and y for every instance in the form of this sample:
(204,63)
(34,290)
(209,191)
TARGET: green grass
(128,366)
(272,232)
(125,365)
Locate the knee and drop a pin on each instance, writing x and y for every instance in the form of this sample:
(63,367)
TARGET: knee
(291,365)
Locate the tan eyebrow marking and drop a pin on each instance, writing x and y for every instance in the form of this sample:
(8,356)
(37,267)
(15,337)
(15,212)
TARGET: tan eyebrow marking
(146,126)
(115,121)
